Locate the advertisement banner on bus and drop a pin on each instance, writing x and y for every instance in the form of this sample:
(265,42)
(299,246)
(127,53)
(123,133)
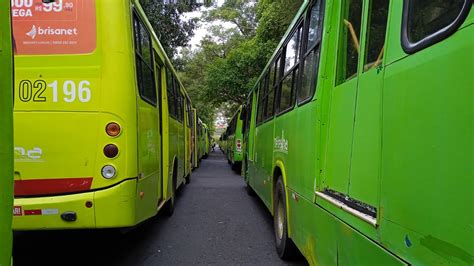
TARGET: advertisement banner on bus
(61,27)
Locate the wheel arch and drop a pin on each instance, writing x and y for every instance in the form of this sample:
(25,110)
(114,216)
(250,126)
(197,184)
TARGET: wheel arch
(278,170)
(173,168)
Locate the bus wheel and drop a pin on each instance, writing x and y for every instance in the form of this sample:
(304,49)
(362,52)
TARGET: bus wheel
(284,245)
(188,178)
(170,204)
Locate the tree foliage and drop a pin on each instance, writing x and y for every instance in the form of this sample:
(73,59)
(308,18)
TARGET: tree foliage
(241,13)
(167,20)
(229,61)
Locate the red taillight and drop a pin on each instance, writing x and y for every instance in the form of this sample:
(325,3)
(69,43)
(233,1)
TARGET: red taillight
(239,144)
(111,150)
(113,129)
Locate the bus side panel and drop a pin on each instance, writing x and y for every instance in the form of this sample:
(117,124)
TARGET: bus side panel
(264,163)
(173,147)
(325,240)
(181,151)
(427,159)
(230,148)
(188,147)
(238,136)
(149,159)
(6,134)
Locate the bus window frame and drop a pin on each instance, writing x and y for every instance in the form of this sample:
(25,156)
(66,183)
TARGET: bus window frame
(179,100)
(170,93)
(300,25)
(306,51)
(434,38)
(261,97)
(189,113)
(139,80)
(159,88)
(276,85)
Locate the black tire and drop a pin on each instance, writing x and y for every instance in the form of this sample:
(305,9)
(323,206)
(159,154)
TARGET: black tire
(237,167)
(188,178)
(169,208)
(285,247)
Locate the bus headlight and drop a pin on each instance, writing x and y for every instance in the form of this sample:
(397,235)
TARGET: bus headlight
(108,172)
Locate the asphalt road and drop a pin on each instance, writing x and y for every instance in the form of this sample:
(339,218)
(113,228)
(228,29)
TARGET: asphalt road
(215,223)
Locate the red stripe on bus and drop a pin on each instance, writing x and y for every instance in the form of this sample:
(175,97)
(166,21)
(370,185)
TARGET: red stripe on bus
(39,187)
(32,212)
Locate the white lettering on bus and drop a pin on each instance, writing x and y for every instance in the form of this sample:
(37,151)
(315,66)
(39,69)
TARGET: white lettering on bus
(57,31)
(21,13)
(71,91)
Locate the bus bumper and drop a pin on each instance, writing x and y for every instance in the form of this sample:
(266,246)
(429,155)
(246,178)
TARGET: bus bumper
(112,207)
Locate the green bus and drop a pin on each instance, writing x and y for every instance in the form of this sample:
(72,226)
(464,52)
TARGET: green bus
(202,134)
(360,140)
(6,134)
(234,140)
(101,132)
(223,142)
(194,139)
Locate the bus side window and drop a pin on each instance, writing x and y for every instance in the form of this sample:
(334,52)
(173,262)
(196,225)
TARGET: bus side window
(190,113)
(349,42)
(177,99)
(377,27)
(170,90)
(311,50)
(159,78)
(291,65)
(272,88)
(261,103)
(181,106)
(426,22)
(144,62)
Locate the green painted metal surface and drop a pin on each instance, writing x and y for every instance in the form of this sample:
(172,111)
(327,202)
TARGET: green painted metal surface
(234,152)
(394,138)
(6,134)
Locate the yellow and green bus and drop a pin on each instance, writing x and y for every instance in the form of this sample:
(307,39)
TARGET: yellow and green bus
(100,117)
(223,142)
(6,134)
(194,139)
(360,137)
(234,140)
(207,141)
(202,140)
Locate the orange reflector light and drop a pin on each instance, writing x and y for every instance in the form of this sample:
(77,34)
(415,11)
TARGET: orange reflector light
(111,150)
(113,129)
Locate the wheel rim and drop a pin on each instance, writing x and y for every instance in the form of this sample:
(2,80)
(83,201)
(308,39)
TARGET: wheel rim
(280,219)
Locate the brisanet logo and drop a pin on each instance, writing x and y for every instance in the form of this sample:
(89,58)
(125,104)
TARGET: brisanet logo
(32,32)
(49,31)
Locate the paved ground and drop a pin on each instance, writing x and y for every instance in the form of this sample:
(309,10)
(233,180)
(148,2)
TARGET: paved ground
(215,223)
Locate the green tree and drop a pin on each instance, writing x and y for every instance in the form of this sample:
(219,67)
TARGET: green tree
(228,63)
(241,13)
(167,20)
(274,17)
